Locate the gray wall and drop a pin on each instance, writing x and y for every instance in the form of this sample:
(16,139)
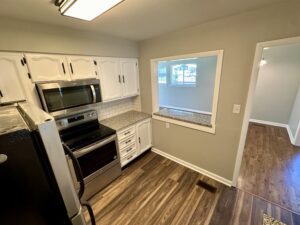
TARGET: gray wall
(238,36)
(277,84)
(25,36)
(198,98)
(295,115)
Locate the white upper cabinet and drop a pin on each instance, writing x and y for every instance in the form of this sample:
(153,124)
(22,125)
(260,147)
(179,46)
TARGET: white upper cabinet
(82,67)
(47,67)
(111,83)
(144,135)
(11,89)
(119,78)
(130,77)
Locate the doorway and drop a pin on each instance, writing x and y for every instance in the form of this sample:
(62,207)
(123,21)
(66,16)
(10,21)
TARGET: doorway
(268,160)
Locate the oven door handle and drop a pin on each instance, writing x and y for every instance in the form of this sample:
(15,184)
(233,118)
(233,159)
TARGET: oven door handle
(94,146)
(93,93)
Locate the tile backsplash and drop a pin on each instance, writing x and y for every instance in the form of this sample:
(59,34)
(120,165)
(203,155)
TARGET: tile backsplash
(109,109)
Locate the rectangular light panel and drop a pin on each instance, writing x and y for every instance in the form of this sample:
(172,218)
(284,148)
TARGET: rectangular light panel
(87,9)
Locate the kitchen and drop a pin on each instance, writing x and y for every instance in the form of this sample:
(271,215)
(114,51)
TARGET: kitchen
(83,98)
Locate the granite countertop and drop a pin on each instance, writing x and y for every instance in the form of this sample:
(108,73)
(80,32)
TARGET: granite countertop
(10,120)
(124,120)
(190,117)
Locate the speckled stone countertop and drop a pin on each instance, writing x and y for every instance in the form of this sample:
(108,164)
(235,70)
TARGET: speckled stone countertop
(124,120)
(191,117)
(10,120)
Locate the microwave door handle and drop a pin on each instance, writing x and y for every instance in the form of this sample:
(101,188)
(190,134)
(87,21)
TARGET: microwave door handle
(94,146)
(93,93)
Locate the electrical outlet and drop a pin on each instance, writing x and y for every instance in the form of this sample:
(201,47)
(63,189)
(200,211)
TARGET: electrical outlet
(167,125)
(236,108)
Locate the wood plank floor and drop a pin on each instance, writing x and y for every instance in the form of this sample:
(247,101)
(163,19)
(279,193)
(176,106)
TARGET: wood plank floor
(271,166)
(156,191)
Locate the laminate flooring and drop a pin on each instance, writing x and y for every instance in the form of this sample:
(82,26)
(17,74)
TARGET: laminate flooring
(156,191)
(271,166)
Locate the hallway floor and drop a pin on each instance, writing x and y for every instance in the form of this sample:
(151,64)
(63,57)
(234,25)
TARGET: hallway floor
(271,166)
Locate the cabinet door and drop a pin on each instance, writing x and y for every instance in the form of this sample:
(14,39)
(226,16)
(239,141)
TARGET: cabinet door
(47,67)
(144,135)
(109,73)
(130,78)
(82,67)
(10,73)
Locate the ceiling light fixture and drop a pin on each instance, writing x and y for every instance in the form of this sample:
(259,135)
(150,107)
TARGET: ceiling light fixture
(86,9)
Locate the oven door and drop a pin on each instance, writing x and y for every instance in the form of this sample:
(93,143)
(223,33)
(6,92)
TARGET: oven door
(96,159)
(66,97)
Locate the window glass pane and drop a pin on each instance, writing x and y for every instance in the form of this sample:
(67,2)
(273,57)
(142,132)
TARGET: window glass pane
(162,73)
(184,74)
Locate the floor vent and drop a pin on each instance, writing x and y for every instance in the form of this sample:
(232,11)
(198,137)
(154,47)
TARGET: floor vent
(206,186)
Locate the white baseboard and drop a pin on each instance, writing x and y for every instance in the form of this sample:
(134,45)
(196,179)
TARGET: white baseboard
(193,167)
(269,123)
(292,139)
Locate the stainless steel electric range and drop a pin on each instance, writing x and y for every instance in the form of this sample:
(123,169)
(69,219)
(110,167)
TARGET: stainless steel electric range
(95,147)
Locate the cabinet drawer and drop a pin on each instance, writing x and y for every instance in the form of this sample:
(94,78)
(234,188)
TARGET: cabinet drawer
(128,158)
(128,150)
(126,133)
(127,142)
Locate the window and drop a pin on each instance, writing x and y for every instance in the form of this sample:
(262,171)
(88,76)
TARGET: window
(184,74)
(185,89)
(162,74)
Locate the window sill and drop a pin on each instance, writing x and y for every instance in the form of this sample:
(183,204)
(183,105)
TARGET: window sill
(191,120)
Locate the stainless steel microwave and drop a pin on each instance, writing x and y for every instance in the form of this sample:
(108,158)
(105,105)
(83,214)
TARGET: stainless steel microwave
(62,98)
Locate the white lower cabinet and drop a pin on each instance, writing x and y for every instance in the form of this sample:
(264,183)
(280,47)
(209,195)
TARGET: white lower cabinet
(134,140)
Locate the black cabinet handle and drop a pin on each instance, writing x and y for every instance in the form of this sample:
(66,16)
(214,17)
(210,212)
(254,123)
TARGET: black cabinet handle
(139,140)
(120,79)
(63,66)
(123,79)
(71,68)
(1,95)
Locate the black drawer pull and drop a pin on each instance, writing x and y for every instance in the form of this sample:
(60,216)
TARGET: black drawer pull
(71,68)
(128,150)
(127,141)
(128,132)
(63,66)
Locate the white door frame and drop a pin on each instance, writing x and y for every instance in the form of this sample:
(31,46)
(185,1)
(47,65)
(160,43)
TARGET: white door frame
(248,108)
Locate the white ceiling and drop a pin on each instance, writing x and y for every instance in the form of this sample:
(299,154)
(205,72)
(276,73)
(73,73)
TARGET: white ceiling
(134,19)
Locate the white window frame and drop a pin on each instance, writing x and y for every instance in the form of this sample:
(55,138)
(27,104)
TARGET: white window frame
(155,90)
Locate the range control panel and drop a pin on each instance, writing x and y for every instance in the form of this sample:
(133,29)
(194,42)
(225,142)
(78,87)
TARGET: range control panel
(76,119)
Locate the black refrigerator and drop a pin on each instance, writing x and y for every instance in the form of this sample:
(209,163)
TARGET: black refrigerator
(36,187)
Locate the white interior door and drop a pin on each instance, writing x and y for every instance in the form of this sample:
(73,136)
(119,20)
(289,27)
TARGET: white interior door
(144,135)
(11,89)
(47,67)
(82,67)
(109,73)
(130,79)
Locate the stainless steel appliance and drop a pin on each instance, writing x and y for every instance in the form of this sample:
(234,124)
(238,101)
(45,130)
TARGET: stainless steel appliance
(63,98)
(95,147)
(36,184)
